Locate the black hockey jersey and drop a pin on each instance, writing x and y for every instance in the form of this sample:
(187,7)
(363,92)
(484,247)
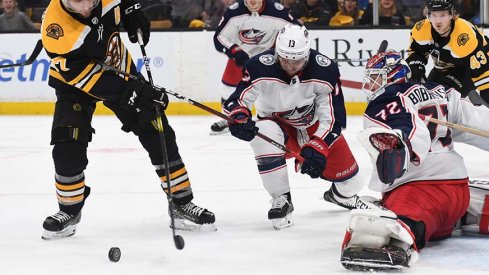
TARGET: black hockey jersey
(74,43)
(313,95)
(465,47)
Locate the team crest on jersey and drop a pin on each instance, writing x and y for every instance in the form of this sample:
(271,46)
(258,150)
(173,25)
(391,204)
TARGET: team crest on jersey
(234,6)
(300,116)
(323,60)
(419,25)
(267,59)
(114,53)
(279,6)
(251,36)
(462,39)
(54,31)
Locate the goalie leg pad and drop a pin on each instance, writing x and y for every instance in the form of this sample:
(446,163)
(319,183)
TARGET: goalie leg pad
(476,220)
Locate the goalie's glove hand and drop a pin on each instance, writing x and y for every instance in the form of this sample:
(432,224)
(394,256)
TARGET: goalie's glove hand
(314,153)
(418,71)
(394,155)
(239,56)
(139,94)
(243,127)
(134,19)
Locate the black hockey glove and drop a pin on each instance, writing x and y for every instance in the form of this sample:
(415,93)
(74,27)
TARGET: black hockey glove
(133,19)
(460,81)
(418,71)
(244,127)
(393,155)
(314,154)
(141,95)
(239,56)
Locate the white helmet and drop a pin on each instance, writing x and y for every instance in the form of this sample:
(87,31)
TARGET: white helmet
(293,43)
(73,8)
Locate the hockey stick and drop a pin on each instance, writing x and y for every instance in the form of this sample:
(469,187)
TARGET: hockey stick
(205,108)
(456,126)
(30,60)
(382,48)
(476,98)
(177,239)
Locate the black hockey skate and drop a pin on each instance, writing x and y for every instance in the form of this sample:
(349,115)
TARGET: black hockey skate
(219,128)
(348,203)
(193,218)
(389,258)
(281,211)
(60,225)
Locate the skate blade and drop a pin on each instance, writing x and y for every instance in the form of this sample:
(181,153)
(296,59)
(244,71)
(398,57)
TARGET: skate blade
(370,266)
(186,225)
(54,235)
(282,223)
(218,133)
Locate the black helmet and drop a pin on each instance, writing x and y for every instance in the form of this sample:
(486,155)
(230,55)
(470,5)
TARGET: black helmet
(439,5)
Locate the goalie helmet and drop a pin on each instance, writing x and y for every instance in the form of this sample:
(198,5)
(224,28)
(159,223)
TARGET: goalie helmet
(80,6)
(384,69)
(293,43)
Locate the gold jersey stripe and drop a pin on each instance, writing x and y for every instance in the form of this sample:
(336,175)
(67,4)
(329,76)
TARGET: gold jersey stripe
(484,75)
(483,87)
(63,187)
(83,74)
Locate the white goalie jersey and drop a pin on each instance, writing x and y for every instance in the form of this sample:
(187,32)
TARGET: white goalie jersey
(402,108)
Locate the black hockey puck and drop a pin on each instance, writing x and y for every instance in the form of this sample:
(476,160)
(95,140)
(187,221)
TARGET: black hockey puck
(114,254)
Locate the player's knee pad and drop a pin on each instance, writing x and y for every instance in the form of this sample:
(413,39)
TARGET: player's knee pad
(377,228)
(68,134)
(152,144)
(70,158)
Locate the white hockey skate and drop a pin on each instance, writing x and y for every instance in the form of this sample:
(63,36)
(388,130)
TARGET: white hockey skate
(191,217)
(60,225)
(281,212)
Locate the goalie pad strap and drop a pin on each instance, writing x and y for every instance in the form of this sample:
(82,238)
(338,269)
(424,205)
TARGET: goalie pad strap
(484,222)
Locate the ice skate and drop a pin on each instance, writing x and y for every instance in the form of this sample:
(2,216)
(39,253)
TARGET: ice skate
(219,128)
(348,203)
(60,225)
(281,211)
(389,258)
(191,217)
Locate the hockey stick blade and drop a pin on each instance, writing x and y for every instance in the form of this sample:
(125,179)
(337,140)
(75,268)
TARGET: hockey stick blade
(383,46)
(30,60)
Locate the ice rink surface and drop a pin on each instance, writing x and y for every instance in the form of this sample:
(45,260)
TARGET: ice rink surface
(128,209)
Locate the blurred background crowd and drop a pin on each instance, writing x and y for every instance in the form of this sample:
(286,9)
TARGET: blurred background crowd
(25,15)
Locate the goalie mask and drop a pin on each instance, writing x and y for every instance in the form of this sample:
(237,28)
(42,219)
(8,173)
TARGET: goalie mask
(384,69)
(80,6)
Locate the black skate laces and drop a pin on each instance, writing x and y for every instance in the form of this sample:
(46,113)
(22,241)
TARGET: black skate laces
(61,216)
(193,209)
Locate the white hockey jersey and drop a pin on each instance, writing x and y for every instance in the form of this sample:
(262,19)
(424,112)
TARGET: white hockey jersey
(314,95)
(433,154)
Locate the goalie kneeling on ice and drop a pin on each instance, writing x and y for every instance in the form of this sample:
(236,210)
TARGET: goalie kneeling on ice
(377,240)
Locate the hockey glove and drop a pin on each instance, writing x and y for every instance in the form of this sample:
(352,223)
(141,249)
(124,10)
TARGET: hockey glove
(239,56)
(244,127)
(314,153)
(141,95)
(133,19)
(418,71)
(460,81)
(393,156)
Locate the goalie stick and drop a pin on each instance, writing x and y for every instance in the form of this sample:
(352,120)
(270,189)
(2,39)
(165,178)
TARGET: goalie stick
(205,108)
(37,50)
(382,48)
(177,239)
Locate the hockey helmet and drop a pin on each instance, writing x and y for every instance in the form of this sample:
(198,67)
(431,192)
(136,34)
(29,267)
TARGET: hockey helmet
(439,5)
(293,43)
(384,69)
(80,6)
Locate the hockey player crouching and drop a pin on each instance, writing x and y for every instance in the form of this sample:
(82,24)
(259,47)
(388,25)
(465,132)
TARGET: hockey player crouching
(299,103)
(423,180)
(75,34)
